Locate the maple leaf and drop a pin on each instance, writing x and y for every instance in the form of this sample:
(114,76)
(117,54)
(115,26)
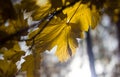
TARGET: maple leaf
(79,13)
(83,15)
(60,34)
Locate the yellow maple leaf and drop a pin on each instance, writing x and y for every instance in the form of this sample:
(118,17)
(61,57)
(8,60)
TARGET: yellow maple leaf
(60,34)
(79,13)
(83,15)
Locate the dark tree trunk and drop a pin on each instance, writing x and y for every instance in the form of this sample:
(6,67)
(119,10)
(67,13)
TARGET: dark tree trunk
(90,54)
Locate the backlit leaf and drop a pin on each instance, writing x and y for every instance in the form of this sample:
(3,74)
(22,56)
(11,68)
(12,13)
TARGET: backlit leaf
(83,15)
(79,13)
(61,35)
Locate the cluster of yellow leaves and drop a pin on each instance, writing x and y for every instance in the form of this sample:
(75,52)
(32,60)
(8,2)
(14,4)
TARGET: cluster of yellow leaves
(63,33)
(11,21)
